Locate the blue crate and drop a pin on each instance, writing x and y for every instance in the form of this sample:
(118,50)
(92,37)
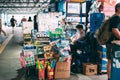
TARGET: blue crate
(104,55)
(104,65)
(96,19)
(101,48)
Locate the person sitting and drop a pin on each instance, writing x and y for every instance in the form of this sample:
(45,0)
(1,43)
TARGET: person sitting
(77,38)
(77,44)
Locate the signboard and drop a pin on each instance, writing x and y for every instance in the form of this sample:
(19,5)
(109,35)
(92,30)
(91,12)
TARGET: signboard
(110,2)
(73,8)
(83,7)
(108,9)
(75,0)
(73,19)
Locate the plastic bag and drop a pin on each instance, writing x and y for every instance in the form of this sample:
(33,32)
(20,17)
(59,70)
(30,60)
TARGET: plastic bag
(22,61)
(1,39)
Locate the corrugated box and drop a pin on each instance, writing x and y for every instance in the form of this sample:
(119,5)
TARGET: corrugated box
(89,69)
(62,70)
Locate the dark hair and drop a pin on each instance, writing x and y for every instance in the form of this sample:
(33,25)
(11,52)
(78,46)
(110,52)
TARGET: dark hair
(117,6)
(64,21)
(29,19)
(79,26)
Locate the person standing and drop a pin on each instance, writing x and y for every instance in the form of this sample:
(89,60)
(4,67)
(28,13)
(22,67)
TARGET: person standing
(12,21)
(114,27)
(29,19)
(24,19)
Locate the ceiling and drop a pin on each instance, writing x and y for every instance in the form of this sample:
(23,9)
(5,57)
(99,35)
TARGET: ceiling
(23,6)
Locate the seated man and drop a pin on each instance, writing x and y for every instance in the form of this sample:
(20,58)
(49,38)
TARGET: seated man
(78,44)
(77,38)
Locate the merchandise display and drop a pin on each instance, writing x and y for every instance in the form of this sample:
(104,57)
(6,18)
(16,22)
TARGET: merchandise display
(43,53)
(63,39)
(28,51)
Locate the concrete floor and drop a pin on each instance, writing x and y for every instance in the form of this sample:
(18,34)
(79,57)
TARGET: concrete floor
(10,68)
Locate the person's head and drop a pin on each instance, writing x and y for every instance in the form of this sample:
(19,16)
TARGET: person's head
(29,19)
(79,27)
(12,16)
(117,7)
(63,21)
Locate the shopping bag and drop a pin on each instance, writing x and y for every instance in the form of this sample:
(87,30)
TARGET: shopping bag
(22,61)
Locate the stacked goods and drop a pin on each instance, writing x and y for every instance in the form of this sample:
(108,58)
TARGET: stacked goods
(29,55)
(50,69)
(45,67)
(49,59)
(27,39)
(57,34)
(41,39)
(41,69)
(63,65)
(27,27)
(42,36)
(39,50)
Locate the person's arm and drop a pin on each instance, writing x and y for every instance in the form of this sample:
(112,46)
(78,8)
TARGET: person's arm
(116,32)
(10,20)
(82,34)
(74,38)
(114,23)
(4,32)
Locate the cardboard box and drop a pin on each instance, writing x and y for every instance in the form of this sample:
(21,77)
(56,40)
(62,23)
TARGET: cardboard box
(89,69)
(62,70)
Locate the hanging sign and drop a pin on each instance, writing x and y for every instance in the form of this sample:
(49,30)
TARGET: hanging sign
(110,2)
(73,19)
(73,8)
(75,0)
(108,10)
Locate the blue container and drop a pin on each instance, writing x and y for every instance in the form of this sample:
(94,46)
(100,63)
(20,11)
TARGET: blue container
(101,48)
(104,65)
(96,19)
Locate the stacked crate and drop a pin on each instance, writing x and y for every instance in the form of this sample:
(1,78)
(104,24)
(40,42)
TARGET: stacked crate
(103,59)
